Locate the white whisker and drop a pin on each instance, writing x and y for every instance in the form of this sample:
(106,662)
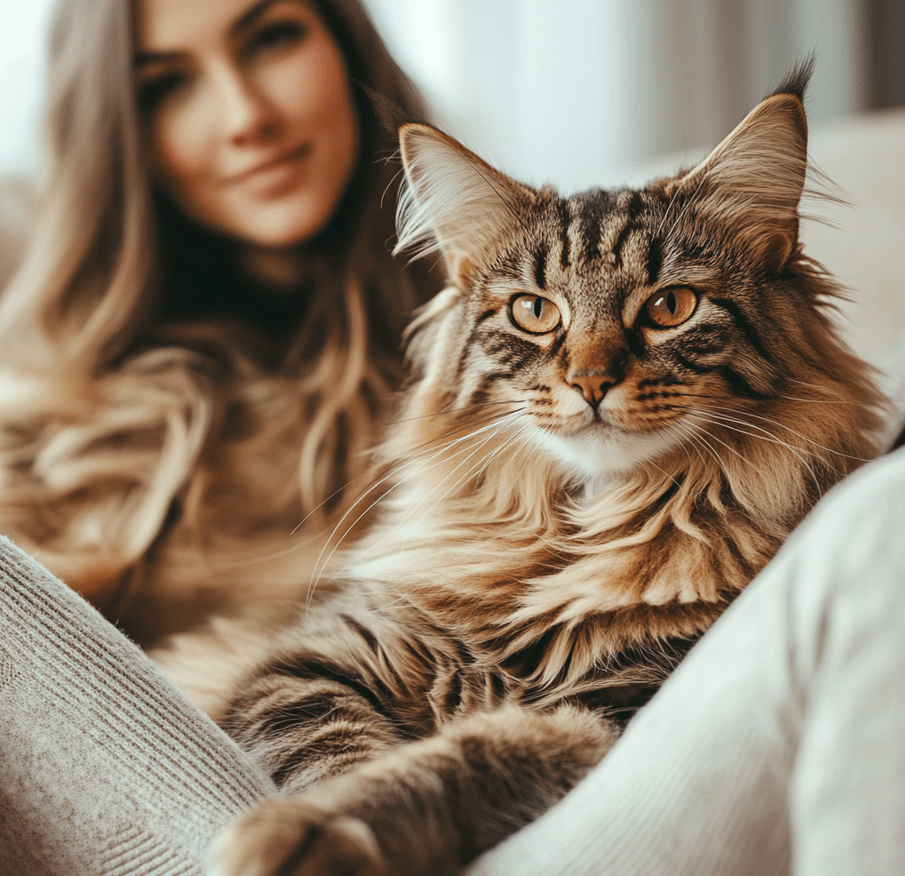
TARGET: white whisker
(530,456)
(321,563)
(449,411)
(492,420)
(494,454)
(688,430)
(801,435)
(715,454)
(357,559)
(765,435)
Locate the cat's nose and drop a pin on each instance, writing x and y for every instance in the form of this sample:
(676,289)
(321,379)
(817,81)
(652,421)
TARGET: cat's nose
(593,386)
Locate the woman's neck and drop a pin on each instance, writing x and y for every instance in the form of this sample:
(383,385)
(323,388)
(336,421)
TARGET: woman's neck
(279,270)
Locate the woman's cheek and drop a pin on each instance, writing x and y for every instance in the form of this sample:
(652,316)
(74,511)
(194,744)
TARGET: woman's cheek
(312,85)
(181,149)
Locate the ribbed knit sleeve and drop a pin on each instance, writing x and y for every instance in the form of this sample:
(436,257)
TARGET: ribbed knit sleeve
(105,768)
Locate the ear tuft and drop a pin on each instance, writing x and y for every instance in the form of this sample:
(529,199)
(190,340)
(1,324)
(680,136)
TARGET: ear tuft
(753,181)
(796,80)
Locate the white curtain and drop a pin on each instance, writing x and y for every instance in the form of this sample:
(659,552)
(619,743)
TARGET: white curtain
(574,92)
(578,92)
(23,35)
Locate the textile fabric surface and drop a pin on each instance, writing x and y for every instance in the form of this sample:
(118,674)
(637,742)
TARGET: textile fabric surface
(105,768)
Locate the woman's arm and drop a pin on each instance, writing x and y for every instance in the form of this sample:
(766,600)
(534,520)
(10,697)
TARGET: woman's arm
(105,768)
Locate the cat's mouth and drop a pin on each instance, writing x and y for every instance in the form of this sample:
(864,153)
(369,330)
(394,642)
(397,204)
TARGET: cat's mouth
(598,420)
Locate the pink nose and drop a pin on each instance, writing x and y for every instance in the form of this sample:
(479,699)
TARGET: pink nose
(592,386)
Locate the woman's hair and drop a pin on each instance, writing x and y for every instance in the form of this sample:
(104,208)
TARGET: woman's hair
(132,399)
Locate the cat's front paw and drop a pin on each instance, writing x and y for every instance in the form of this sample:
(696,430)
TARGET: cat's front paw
(290,837)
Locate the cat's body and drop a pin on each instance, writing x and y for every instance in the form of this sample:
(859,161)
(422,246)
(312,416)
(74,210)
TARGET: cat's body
(617,414)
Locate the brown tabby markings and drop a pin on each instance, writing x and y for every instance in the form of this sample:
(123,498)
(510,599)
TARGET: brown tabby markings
(566,510)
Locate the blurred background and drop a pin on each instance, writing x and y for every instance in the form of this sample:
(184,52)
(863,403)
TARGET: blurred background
(574,92)
(607,92)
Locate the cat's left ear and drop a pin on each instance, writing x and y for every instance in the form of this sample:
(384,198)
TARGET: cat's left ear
(753,181)
(453,201)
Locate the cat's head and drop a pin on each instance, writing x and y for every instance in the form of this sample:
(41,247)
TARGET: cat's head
(620,323)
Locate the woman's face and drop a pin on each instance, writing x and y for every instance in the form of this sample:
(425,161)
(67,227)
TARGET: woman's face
(250,114)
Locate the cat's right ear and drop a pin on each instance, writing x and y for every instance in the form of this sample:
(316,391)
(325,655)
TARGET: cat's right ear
(753,181)
(453,201)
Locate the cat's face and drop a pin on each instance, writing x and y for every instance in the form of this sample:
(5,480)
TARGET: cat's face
(619,323)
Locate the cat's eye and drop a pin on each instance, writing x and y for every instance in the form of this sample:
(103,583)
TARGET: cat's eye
(534,314)
(671,307)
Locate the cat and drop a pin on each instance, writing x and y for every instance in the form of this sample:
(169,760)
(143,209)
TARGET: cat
(617,412)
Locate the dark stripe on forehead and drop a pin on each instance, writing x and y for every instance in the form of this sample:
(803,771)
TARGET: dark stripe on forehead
(312,668)
(620,242)
(565,220)
(594,207)
(632,208)
(654,260)
(540,269)
(589,227)
(747,329)
(293,715)
(631,202)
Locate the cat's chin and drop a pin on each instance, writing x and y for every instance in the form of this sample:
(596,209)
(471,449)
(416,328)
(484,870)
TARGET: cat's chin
(598,456)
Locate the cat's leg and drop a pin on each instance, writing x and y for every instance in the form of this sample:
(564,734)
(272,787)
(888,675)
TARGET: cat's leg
(209,663)
(303,718)
(428,807)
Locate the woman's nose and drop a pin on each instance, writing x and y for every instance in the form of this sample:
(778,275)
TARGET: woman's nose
(246,116)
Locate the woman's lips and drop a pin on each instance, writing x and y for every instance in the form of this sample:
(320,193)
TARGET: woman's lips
(272,178)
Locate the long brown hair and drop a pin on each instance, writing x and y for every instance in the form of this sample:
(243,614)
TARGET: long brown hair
(124,418)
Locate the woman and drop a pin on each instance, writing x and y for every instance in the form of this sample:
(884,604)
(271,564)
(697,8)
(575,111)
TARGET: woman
(199,344)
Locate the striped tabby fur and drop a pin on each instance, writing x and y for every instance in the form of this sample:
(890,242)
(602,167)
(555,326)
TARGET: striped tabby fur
(574,492)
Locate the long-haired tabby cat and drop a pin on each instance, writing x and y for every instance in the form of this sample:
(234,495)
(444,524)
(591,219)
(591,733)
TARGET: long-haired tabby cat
(618,411)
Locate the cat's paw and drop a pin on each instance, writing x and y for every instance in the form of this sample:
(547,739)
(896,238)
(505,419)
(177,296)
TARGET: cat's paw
(290,837)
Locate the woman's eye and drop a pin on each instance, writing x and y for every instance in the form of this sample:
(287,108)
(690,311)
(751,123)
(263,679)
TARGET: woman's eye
(279,33)
(154,91)
(534,314)
(671,307)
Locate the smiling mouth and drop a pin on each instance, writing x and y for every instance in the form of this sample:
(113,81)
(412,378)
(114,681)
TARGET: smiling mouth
(271,177)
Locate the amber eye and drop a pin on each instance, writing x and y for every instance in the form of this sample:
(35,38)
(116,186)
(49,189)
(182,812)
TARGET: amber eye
(672,306)
(534,314)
